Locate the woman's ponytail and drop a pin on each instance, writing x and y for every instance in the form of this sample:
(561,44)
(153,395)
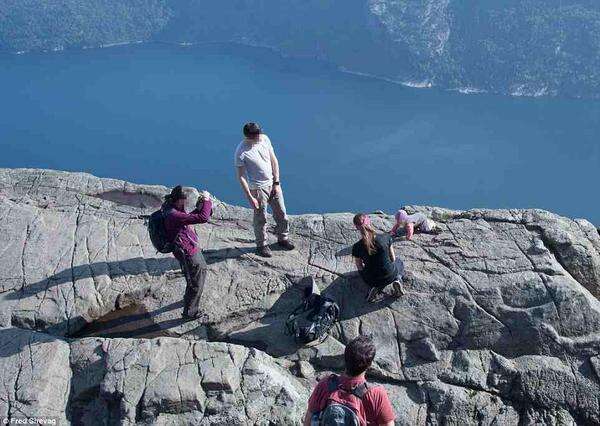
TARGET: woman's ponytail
(363,224)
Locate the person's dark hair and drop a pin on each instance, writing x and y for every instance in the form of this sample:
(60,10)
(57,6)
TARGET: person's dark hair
(175,195)
(359,355)
(252,130)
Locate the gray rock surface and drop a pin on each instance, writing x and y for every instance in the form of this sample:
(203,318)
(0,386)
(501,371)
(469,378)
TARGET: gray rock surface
(34,374)
(169,380)
(500,325)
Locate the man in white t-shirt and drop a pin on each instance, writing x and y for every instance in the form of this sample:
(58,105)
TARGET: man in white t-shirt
(258,172)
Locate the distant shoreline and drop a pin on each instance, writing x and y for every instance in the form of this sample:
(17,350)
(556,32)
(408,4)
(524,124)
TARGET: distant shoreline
(520,91)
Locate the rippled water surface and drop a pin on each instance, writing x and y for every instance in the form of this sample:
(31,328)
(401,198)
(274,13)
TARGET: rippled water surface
(168,115)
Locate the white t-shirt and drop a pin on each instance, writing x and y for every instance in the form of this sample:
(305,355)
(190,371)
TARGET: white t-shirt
(256,158)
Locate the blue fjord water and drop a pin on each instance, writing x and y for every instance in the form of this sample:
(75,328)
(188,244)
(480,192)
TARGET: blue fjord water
(168,114)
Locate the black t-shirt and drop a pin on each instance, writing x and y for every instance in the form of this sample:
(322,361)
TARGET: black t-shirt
(379,269)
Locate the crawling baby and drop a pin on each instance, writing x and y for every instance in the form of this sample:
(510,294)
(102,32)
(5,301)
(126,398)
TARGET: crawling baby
(413,222)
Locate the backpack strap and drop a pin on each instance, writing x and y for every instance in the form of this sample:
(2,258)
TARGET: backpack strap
(361,390)
(333,383)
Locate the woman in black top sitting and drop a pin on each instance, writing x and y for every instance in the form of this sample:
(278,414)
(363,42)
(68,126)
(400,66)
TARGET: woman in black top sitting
(375,259)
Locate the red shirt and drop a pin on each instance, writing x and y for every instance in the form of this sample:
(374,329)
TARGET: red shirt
(376,406)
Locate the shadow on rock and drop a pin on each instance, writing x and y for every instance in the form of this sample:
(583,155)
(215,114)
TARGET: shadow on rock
(350,292)
(135,266)
(269,332)
(224,254)
(155,267)
(132,321)
(14,340)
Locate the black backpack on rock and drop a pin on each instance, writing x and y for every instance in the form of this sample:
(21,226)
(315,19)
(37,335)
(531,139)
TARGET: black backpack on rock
(313,318)
(158,233)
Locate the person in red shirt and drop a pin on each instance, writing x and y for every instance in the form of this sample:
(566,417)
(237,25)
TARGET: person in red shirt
(374,408)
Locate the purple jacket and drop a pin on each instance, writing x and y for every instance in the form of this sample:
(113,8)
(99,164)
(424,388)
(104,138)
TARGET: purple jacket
(178,229)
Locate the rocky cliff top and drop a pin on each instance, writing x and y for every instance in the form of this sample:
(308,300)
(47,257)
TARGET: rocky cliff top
(500,325)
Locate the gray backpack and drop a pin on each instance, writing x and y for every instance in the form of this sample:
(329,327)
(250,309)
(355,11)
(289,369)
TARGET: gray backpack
(338,413)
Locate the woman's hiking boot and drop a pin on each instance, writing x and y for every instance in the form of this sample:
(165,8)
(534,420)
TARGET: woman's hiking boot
(264,251)
(373,293)
(398,289)
(286,245)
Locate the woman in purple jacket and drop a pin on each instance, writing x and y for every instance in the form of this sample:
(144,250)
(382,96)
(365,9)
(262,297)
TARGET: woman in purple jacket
(185,244)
